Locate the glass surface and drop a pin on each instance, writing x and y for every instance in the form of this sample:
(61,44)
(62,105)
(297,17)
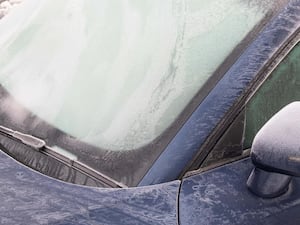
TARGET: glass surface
(116,74)
(281,88)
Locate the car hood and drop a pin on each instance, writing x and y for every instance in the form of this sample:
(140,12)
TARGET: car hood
(28,197)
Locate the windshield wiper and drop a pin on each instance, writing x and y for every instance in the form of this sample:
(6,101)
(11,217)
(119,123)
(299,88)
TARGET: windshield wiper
(26,139)
(40,145)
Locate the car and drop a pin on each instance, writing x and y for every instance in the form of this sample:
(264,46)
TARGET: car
(150,112)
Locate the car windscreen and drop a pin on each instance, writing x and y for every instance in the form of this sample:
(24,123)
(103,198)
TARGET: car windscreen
(116,75)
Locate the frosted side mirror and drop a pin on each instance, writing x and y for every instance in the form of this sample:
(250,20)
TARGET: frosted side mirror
(275,153)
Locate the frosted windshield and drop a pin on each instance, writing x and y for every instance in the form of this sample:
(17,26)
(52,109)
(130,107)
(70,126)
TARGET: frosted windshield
(116,74)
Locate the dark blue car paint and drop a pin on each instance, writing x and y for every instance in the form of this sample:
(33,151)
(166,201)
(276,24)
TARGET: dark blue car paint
(31,198)
(220,196)
(209,113)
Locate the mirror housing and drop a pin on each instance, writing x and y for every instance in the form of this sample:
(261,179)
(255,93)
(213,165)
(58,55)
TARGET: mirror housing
(275,153)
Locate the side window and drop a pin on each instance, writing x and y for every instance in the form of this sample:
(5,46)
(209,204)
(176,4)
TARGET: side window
(279,89)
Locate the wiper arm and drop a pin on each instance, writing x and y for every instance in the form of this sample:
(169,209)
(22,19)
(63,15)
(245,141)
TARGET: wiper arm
(41,146)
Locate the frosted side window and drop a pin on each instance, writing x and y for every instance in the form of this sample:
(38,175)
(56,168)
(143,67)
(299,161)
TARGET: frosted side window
(281,88)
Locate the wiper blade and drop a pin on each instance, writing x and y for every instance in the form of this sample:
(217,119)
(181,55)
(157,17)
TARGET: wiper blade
(26,139)
(40,145)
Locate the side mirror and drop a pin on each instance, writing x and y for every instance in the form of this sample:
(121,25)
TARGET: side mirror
(275,153)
